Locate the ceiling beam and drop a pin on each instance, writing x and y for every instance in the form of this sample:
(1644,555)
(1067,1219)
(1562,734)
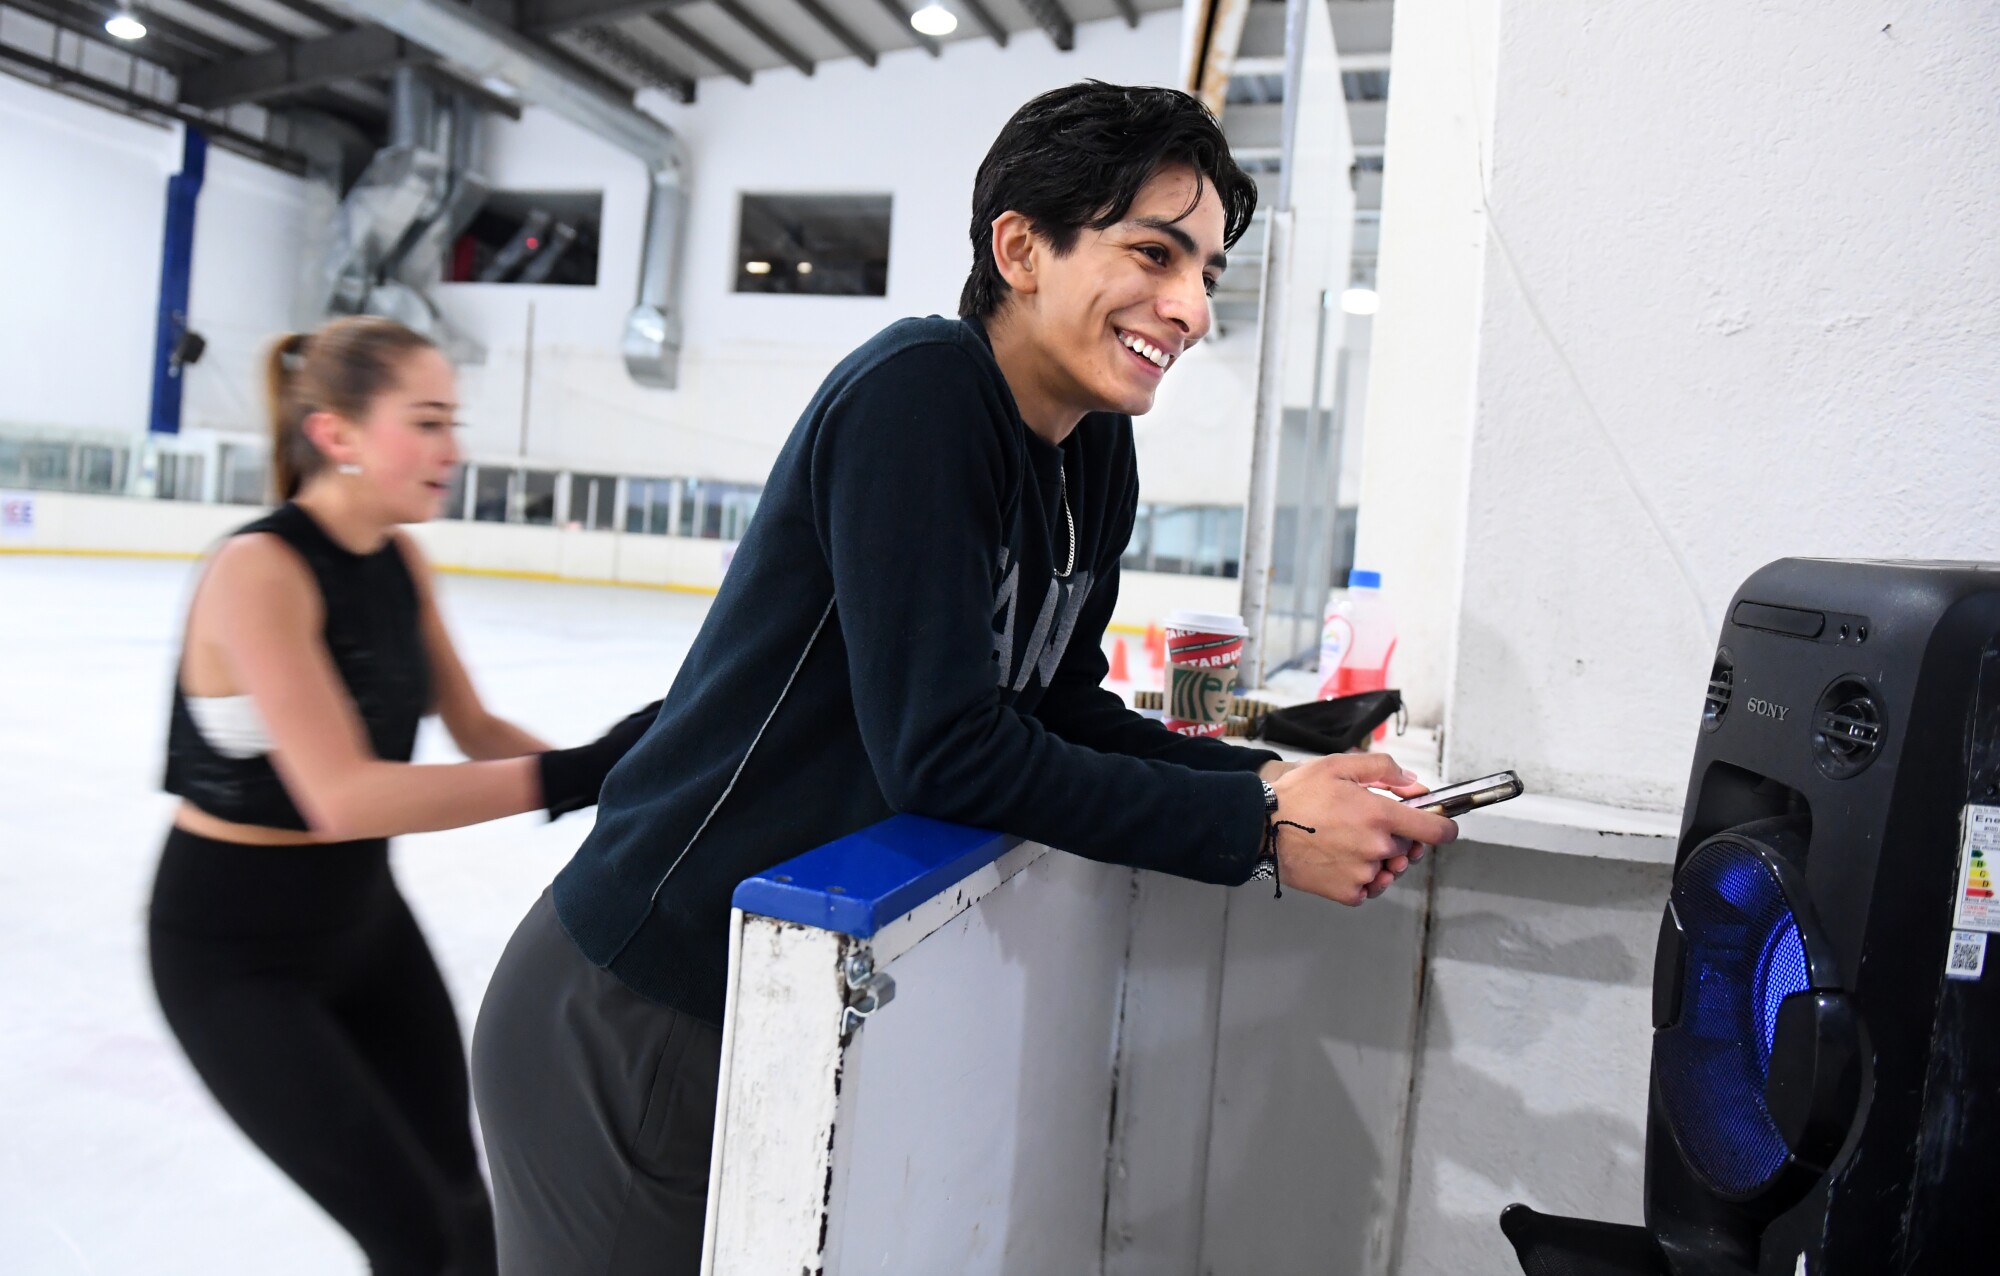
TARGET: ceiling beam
(896,10)
(89,29)
(984,17)
(761,30)
(701,44)
(315,13)
(301,64)
(168,30)
(242,20)
(1049,15)
(838,30)
(619,50)
(547,17)
(140,104)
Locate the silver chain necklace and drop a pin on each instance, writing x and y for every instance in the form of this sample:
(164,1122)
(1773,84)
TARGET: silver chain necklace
(1069,520)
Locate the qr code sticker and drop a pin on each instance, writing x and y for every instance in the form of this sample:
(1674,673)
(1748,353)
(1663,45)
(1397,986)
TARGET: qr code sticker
(1968,955)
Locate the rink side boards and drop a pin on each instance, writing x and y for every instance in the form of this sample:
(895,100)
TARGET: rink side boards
(788,1037)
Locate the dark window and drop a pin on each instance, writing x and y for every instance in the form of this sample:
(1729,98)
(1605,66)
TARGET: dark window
(592,502)
(649,505)
(246,476)
(538,497)
(823,245)
(1188,540)
(489,493)
(454,497)
(1365,86)
(530,237)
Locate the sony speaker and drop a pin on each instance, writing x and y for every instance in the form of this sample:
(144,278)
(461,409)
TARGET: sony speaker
(1825,1096)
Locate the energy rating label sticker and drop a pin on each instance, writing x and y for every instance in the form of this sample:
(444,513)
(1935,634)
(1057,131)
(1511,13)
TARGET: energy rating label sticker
(1978,849)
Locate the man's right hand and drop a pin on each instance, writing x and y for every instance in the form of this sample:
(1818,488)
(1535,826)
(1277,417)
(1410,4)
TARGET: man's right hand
(1363,839)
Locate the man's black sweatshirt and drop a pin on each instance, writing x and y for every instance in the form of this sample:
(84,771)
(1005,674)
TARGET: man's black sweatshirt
(896,633)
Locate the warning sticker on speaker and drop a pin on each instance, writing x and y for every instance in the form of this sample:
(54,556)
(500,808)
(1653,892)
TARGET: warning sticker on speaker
(1979,848)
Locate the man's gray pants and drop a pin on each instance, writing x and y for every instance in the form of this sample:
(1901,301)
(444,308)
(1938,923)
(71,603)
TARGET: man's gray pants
(597,1107)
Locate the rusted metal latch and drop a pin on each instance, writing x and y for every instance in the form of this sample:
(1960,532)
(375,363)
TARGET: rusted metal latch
(868,990)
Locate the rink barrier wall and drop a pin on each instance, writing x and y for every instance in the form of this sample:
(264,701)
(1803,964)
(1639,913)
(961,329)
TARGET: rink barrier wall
(921,994)
(71,524)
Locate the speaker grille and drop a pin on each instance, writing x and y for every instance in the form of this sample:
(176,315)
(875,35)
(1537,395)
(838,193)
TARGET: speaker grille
(1721,686)
(1744,957)
(1847,728)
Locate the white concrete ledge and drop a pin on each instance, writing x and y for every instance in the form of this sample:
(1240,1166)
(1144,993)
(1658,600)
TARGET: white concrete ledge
(1537,821)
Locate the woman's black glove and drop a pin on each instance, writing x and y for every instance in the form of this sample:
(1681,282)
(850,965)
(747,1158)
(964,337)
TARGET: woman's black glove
(571,778)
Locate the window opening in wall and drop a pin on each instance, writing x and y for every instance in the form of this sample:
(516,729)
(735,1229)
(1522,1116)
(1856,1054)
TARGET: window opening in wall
(1188,540)
(717,511)
(455,495)
(530,237)
(818,245)
(593,500)
(1365,86)
(177,476)
(651,506)
(491,486)
(246,475)
(538,498)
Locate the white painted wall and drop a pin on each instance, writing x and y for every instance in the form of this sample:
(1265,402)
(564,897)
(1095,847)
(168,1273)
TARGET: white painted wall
(1734,302)
(84,225)
(1532,1075)
(914,127)
(1428,274)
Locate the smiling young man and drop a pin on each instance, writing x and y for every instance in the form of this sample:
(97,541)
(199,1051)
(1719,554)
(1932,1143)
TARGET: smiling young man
(913,623)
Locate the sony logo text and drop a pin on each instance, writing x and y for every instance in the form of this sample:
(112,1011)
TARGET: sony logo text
(1765,709)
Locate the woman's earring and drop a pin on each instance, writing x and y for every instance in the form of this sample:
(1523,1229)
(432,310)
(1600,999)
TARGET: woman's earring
(349,468)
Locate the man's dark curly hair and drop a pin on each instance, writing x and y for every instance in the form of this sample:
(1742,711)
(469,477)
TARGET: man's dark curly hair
(1076,157)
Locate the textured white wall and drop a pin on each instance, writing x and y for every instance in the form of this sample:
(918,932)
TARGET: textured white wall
(913,127)
(1740,273)
(82,222)
(1532,1072)
(1412,484)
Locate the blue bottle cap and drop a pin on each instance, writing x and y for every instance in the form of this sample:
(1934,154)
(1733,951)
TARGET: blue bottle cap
(1364,580)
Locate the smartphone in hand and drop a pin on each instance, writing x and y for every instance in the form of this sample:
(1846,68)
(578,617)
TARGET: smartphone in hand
(1455,800)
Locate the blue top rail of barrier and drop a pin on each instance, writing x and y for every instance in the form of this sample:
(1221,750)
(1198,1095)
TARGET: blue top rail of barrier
(864,881)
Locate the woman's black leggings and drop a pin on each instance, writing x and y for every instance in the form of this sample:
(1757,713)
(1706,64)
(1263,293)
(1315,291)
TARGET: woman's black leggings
(305,996)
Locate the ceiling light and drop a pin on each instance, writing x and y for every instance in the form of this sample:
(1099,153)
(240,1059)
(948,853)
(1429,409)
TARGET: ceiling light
(126,27)
(934,19)
(805,268)
(1359,301)
(757,267)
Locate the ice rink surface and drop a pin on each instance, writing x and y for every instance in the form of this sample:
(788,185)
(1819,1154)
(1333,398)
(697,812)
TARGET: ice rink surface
(113,1158)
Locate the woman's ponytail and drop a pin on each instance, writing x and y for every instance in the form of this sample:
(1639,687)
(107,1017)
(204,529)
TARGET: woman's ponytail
(293,457)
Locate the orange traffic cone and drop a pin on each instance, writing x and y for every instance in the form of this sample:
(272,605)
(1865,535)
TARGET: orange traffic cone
(1156,646)
(1119,673)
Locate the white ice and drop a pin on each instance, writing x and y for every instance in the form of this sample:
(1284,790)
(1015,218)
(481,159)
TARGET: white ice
(113,1158)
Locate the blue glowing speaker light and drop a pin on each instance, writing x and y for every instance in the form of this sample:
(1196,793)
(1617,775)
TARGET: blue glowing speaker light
(1744,957)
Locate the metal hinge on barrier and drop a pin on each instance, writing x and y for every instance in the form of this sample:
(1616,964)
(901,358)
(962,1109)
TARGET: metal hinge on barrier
(868,990)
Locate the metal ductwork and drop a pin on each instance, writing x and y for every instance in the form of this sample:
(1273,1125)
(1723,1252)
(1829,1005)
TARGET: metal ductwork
(387,236)
(505,62)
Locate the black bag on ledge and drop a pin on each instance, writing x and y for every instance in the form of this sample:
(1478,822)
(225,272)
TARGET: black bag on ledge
(1329,726)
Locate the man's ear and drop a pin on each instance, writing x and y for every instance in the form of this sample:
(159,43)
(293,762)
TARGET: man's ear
(1016,251)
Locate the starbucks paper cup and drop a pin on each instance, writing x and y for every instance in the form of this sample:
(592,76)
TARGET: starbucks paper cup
(1203,650)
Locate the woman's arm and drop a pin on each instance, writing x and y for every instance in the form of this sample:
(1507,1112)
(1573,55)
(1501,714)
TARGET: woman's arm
(266,618)
(478,733)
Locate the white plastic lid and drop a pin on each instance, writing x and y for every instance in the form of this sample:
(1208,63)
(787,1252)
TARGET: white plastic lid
(1208,622)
